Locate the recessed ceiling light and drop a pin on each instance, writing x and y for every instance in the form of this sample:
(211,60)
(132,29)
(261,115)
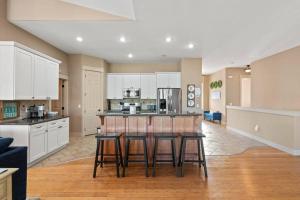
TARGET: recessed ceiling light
(168,39)
(79,39)
(130,55)
(122,39)
(191,46)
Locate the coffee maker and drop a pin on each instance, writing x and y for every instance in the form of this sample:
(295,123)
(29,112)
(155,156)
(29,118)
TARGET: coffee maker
(37,111)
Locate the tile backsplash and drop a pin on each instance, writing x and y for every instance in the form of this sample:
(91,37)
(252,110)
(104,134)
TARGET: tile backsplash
(115,104)
(26,104)
(23,105)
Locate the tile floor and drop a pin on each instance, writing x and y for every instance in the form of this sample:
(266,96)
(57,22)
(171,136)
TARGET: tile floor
(218,141)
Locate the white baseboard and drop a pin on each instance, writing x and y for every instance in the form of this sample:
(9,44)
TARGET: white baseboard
(294,152)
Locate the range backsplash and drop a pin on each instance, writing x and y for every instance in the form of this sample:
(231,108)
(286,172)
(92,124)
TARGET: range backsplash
(115,103)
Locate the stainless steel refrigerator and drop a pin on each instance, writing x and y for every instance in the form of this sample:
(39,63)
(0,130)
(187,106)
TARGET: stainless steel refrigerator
(168,100)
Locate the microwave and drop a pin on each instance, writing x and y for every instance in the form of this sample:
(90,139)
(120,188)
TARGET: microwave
(131,93)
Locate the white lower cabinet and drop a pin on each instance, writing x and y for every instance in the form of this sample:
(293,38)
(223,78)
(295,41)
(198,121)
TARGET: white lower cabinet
(63,136)
(52,142)
(41,139)
(38,145)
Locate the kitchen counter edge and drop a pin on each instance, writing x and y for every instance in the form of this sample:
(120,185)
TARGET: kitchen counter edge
(29,122)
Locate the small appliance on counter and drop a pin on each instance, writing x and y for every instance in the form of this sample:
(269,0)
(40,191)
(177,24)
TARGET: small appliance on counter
(131,93)
(36,111)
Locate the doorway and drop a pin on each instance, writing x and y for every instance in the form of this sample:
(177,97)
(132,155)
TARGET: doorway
(245,91)
(92,94)
(60,105)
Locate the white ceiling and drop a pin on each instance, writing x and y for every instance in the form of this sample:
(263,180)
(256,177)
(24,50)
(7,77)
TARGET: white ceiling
(226,33)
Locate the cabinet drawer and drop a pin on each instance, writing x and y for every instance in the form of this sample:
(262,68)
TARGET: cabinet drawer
(38,127)
(53,124)
(64,122)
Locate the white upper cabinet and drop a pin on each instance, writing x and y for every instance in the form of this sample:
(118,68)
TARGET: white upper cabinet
(23,74)
(40,78)
(148,86)
(27,74)
(114,88)
(168,79)
(131,81)
(53,78)
(46,79)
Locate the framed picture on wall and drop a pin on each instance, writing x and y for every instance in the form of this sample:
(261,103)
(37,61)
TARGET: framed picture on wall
(216,95)
(191,95)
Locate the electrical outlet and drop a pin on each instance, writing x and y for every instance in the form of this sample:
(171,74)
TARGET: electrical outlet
(256,128)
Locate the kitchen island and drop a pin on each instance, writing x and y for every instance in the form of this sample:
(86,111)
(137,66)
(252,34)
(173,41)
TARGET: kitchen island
(151,123)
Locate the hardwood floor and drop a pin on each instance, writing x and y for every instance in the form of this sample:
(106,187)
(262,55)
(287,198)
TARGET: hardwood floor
(260,173)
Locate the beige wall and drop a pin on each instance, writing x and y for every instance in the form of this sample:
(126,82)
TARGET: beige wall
(143,68)
(205,92)
(77,64)
(276,81)
(10,32)
(191,73)
(54,10)
(218,105)
(280,131)
(233,85)
(230,91)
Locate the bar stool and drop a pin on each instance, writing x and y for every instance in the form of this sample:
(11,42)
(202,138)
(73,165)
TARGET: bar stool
(100,147)
(164,136)
(201,154)
(131,137)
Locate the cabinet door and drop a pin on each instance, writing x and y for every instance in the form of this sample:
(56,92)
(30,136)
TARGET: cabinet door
(110,84)
(37,144)
(24,64)
(63,135)
(52,141)
(114,86)
(148,86)
(131,81)
(40,78)
(52,80)
(174,80)
(162,80)
(118,90)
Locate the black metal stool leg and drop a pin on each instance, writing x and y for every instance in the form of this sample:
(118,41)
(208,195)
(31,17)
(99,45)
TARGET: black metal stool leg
(120,153)
(126,156)
(117,157)
(102,153)
(180,152)
(127,151)
(203,157)
(96,159)
(183,156)
(154,157)
(173,152)
(146,157)
(199,153)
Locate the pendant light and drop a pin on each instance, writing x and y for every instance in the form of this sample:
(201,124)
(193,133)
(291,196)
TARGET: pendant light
(248,69)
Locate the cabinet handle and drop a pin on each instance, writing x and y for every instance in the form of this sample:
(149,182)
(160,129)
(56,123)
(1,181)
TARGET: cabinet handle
(60,127)
(39,127)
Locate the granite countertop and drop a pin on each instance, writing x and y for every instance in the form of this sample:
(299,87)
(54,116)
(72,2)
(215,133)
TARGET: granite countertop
(103,114)
(31,121)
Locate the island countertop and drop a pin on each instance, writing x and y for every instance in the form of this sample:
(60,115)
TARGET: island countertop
(146,114)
